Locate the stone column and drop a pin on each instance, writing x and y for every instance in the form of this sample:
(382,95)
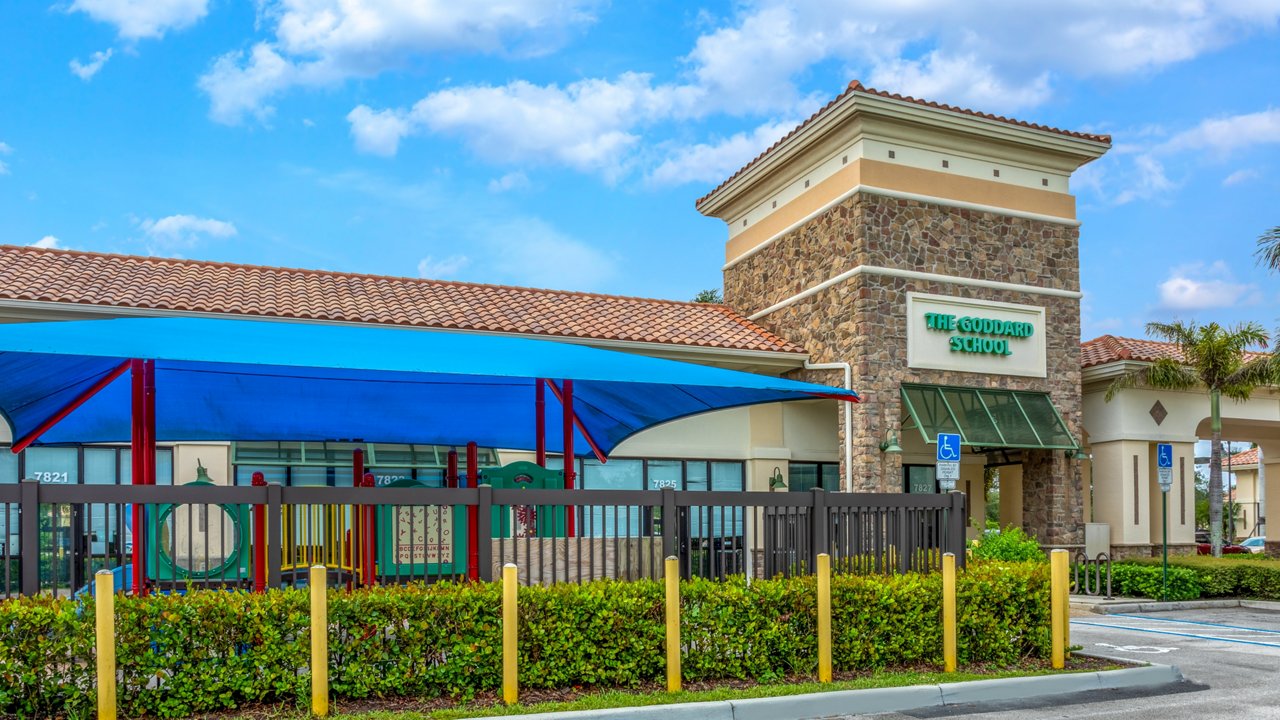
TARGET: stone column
(1051,505)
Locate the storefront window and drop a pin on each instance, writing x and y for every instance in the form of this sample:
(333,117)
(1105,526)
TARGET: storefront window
(805,476)
(664,474)
(100,466)
(164,467)
(8,466)
(310,476)
(53,465)
(277,475)
(919,479)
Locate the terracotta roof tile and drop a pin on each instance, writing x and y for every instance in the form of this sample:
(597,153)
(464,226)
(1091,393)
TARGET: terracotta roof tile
(1109,348)
(1248,457)
(83,278)
(857,87)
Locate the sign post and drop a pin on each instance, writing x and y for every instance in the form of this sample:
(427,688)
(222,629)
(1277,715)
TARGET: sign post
(947,467)
(1164,473)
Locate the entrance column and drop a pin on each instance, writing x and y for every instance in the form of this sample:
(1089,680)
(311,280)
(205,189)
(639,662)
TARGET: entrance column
(1051,498)
(1271,463)
(1121,495)
(1182,500)
(1010,496)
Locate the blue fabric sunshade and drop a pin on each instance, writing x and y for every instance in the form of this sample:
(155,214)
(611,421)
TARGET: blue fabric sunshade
(263,380)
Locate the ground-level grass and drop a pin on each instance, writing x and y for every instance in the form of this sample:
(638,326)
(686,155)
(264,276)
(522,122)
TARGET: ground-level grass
(588,699)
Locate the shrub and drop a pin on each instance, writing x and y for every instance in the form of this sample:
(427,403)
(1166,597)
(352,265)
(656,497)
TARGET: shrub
(1008,545)
(208,651)
(1141,580)
(1228,576)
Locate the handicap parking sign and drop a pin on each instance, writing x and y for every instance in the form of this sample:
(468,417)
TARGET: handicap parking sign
(948,447)
(1164,465)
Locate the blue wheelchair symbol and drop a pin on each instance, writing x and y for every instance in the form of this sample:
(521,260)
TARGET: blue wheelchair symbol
(1164,455)
(948,447)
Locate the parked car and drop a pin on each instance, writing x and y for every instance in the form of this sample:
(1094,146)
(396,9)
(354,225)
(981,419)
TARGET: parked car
(1255,544)
(1205,548)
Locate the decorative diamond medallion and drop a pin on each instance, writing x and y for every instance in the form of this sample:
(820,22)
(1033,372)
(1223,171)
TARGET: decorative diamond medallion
(1158,413)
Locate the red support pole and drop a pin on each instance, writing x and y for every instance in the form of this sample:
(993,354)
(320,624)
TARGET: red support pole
(591,442)
(570,459)
(149,390)
(137,449)
(259,540)
(473,514)
(540,421)
(80,399)
(370,532)
(357,552)
(451,470)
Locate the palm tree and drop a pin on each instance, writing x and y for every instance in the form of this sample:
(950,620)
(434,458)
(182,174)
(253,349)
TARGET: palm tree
(1268,252)
(1220,360)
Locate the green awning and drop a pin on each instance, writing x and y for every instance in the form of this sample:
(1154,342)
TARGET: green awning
(986,418)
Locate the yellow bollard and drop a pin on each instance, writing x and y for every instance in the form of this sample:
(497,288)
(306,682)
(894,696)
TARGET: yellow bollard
(104,601)
(1058,606)
(319,641)
(824,618)
(949,612)
(510,624)
(673,624)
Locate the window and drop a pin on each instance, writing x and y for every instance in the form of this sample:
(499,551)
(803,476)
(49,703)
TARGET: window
(806,476)
(59,466)
(919,479)
(329,463)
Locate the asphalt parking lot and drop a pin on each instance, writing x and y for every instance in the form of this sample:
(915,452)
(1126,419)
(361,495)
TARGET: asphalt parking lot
(1230,657)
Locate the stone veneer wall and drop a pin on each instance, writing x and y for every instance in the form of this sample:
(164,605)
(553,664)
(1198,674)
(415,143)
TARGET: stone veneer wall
(863,321)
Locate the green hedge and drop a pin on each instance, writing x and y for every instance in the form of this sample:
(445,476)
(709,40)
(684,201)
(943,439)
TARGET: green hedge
(1136,580)
(1251,577)
(207,651)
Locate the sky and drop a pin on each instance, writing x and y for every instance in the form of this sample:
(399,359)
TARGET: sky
(562,143)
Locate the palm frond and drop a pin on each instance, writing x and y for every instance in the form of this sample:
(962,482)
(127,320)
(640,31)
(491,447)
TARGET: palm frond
(1129,380)
(1268,252)
(1168,374)
(1177,332)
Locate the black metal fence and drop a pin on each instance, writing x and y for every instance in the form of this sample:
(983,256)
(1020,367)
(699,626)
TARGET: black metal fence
(56,536)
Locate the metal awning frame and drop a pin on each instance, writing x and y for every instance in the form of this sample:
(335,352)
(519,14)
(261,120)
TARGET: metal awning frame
(912,419)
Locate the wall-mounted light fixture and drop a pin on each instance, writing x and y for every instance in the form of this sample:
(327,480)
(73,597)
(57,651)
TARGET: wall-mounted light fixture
(775,481)
(890,446)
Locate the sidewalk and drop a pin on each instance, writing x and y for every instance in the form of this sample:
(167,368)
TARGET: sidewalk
(884,700)
(1084,604)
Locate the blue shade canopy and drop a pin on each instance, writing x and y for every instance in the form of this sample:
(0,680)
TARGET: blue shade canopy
(263,380)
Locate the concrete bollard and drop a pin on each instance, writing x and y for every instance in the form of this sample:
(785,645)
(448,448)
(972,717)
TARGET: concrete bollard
(673,624)
(510,637)
(824,618)
(104,603)
(319,579)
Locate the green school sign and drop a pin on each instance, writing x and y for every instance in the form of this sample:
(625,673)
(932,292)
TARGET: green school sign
(979,335)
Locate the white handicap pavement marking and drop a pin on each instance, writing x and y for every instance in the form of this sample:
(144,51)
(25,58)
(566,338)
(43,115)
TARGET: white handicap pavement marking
(1145,649)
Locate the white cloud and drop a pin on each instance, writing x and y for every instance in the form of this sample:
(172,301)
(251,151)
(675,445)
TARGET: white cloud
(1228,134)
(1149,181)
(510,181)
(137,19)
(941,76)
(86,71)
(49,242)
(185,230)
(378,131)
(1198,286)
(711,163)
(324,42)
(5,149)
(429,267)
(1241,176)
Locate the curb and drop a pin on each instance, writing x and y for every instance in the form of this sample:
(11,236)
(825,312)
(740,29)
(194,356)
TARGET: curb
(882,700)
(1148,606)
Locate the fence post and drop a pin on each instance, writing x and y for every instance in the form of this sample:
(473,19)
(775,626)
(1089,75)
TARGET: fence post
(949,612)
(1058,617)
(818,536)
(959,522)
(275,535)
(670,528)
(824,617)
(319,640)
(484,534)
(104,600)
(673,622)
(510,636)
(29,521)
(259,542)
(904,540)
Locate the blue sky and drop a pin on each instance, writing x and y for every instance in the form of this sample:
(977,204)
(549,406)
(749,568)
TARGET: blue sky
(561,143)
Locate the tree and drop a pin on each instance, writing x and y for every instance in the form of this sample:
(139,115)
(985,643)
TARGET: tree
(709,296)
(1217,359)
(1268,252)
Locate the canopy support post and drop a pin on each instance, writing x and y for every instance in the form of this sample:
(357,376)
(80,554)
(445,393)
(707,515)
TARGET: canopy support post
(570,459)
(540,421)
(370,552)
(591,442)
(473,514)
(79,400)
(358,535)
(451,469)
(136,451)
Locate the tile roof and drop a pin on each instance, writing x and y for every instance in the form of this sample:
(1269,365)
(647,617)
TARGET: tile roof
(1248,457)
(857,87)
(125,281)
(1109,348)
